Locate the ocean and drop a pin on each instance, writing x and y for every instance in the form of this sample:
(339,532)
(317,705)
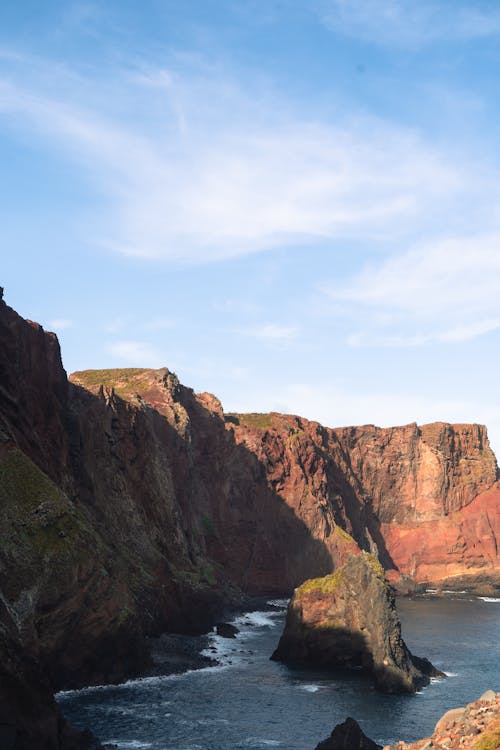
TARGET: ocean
(250,702)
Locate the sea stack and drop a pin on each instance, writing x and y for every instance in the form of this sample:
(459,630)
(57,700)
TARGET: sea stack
(349,619)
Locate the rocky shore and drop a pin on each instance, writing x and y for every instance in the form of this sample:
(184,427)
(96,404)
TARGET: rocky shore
(472,727)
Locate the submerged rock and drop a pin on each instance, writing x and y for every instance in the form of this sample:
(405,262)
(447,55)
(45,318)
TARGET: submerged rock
(349,620)
(348,736)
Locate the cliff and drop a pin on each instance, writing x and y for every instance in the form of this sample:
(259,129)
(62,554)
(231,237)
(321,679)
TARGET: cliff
(129,505)
(349,620)
(423,499)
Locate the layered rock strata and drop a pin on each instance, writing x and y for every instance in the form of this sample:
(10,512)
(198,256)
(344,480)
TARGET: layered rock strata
(349,620)
(424,499)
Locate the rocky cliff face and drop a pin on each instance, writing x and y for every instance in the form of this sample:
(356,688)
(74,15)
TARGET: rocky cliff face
(131,505)
(423,499)
(349,620)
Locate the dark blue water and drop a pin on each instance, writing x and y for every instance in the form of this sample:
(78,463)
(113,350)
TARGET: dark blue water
(251,702)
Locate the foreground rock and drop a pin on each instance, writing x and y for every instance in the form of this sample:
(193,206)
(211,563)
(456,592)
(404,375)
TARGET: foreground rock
(348,736)
(349,619)
(474,727)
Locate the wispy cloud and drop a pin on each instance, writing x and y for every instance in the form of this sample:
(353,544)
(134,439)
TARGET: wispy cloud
(273,332)
(443,291)
(457,335)
(453,276)
(404,23)
(135,353)
(216,172)
(60,324)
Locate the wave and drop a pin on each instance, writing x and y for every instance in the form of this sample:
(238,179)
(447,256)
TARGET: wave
(310,688)
(489,599)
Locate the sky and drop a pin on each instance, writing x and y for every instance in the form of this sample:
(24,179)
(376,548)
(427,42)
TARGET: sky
(293,204)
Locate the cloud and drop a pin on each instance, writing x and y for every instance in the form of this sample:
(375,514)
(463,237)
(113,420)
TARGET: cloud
(135,353)
(404,23)
(443,291)
(60,324)
(455,276)
(456,335)
(211,171)
(273,332)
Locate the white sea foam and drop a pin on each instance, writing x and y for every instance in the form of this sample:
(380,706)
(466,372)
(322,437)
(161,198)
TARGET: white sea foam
(132,744)
(282,603)
(257,619)
(310,688)
(489,599)
(260,741)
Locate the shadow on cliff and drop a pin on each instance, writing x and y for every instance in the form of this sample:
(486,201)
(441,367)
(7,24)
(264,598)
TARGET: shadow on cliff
(198,498)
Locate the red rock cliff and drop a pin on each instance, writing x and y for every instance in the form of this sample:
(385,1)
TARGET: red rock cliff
(130,505)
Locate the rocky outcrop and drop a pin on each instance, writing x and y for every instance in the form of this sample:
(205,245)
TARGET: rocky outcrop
(348,736)
(474,727)
(349,620)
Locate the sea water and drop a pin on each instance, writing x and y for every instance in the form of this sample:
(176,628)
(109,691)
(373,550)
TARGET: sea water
(248,701)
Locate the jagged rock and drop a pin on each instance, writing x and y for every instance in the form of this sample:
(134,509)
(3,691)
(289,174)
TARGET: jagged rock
(348,736)
(226,630)
(349,619)
(475,727)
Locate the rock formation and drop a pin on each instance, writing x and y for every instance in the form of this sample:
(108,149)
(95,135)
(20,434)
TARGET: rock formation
(473,727)
(348,736)
(349,620)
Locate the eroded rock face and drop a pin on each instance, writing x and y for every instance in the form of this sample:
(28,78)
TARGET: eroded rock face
(424,499)
(349,619)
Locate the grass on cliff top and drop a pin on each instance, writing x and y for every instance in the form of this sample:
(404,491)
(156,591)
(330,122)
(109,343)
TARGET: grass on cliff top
(325,585)
(252,420)
(328,584)
(126,381)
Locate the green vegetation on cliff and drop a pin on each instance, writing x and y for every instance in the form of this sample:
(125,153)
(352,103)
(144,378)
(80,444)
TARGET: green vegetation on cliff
(254,421)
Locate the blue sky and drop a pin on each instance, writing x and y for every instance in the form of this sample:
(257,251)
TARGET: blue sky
(291,204)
